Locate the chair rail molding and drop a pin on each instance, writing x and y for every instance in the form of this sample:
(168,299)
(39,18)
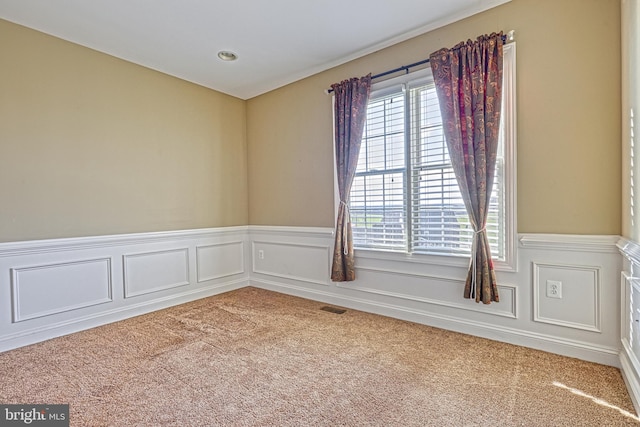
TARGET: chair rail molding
(570,242)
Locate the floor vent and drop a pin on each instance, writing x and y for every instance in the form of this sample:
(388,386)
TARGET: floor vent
(333,310)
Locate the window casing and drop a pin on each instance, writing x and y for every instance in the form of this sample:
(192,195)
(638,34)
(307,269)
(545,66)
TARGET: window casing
(405,198)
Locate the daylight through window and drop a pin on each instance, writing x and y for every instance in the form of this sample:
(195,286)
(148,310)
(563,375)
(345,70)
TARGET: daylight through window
(404,195)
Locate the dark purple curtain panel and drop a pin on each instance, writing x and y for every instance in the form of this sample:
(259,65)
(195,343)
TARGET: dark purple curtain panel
(468,81)
(350,112)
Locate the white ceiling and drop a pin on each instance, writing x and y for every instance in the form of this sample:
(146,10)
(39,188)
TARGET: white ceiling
(277,41)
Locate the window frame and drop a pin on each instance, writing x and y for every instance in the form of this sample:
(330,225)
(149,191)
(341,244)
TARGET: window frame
(508,119)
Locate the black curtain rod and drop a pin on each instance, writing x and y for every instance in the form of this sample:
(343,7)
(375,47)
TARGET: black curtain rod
(405,68)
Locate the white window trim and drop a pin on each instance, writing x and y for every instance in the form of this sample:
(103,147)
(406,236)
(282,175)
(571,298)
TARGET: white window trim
(509,99)
(509,121)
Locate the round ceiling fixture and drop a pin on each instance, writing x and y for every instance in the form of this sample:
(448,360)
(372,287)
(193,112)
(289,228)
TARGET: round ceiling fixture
(226,55)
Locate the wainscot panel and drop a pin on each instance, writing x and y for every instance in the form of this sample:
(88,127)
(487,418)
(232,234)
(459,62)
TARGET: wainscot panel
(299,262)
(149,272)
(220,260)
(557,288)
(443,291)
(44,290)
(582,322)
(54,287)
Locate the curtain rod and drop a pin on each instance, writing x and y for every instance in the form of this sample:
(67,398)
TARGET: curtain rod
(509,37)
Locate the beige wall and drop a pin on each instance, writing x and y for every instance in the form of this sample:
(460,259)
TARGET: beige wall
(568,88)
(92,145)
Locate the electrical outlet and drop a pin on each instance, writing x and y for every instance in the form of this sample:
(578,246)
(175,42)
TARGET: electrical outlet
(260,254)
(554,289)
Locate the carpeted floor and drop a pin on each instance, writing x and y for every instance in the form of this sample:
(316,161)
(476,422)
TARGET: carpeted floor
(257,358)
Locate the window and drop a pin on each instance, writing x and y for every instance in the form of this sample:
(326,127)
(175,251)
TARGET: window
(404,196)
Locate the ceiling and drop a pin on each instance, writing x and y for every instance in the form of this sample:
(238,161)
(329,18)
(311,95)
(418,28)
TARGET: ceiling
(277,41)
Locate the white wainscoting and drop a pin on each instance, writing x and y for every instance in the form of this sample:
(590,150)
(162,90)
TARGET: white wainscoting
(54,287)
(584,323)
(630,318)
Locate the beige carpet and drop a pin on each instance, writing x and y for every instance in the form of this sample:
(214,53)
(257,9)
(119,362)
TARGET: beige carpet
(257,358)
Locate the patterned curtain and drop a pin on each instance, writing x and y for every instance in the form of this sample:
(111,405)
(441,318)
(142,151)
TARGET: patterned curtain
(468,81)
(350,111)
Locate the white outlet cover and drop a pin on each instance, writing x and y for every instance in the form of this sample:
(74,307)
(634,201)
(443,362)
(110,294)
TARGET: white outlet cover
(554,289)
